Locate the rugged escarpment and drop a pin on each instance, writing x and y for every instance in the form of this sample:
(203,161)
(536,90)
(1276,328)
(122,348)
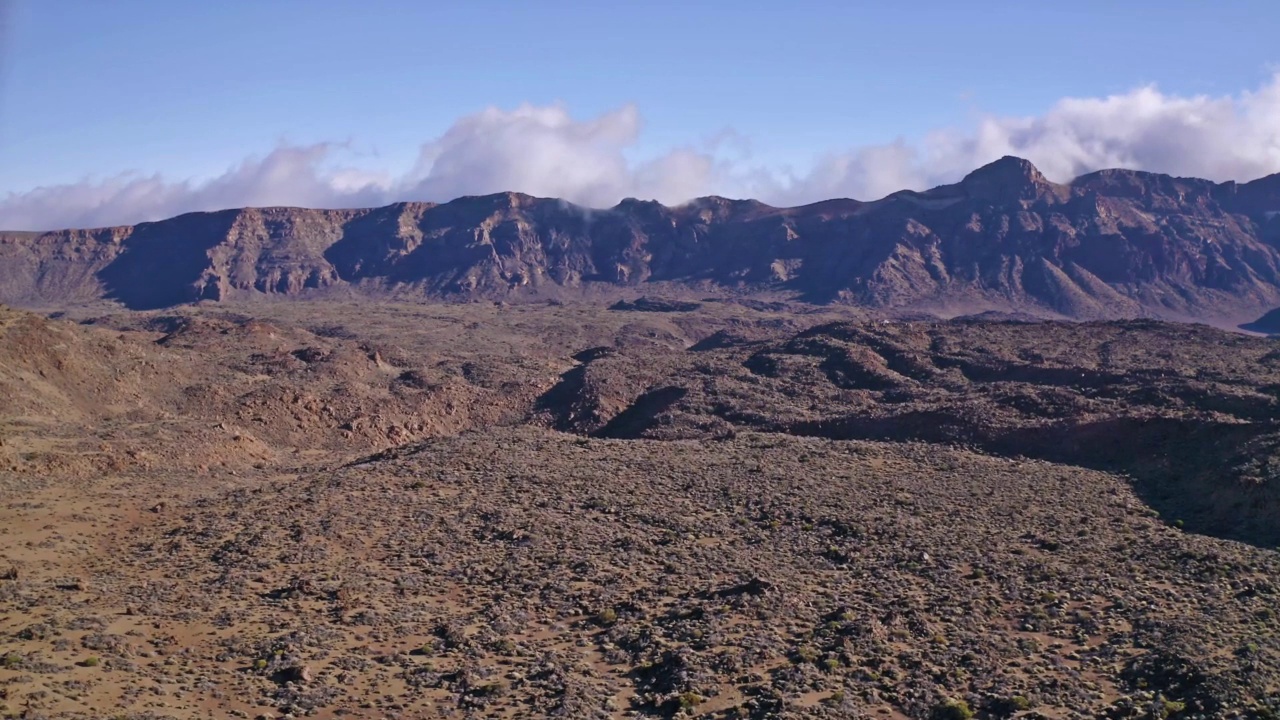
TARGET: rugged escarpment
(1115,243)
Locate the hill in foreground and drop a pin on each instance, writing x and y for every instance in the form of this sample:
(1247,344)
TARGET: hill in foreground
(635,513)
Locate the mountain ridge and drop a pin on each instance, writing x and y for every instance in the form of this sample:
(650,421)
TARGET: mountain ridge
(1112,243)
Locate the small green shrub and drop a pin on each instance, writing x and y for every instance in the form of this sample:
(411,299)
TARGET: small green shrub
(952,710)
(91,662)
(1007,707)
(689,701)
(806,654)
(493,689)
(607,616)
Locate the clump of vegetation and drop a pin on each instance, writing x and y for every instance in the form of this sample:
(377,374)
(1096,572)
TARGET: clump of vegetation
(952,709)
(489,690)
(91,662)
(806,654)
(1008,706)
(689,700)
(607,616)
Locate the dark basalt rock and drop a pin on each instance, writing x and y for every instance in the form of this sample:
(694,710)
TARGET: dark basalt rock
(649,304)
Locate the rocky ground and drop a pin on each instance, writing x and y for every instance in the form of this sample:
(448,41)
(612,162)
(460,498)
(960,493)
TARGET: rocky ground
(658,510)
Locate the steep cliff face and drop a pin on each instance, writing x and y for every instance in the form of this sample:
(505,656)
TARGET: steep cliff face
(1109,244)
(57,267)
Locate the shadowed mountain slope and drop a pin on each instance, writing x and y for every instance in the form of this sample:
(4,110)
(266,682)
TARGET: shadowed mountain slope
(1114,243)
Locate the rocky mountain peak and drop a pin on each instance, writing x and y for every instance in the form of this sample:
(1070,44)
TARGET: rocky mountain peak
(495,201)
(723,208)
(1259,198)
(1110,244)
(1009,179)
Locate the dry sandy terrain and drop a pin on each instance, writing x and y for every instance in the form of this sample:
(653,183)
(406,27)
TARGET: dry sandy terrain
(410,511)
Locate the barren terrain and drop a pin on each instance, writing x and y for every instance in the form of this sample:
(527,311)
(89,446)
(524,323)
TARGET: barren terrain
(659,509)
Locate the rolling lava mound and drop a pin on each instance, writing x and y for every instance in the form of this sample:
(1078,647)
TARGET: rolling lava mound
(1188,411)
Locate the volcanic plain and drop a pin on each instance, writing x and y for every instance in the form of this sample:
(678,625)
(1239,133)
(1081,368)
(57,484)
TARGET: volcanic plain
(715,508)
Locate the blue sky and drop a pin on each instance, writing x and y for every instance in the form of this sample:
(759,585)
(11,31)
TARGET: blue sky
(93,88)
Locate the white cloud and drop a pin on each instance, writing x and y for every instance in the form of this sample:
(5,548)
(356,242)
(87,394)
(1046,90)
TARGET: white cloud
(545,151)
(286,176)
(536,150)
(1219,138)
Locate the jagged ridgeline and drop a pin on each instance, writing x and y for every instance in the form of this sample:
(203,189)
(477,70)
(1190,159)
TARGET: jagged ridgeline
(1114,243)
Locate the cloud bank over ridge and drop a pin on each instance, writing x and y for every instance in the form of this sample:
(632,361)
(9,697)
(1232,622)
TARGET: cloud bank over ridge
(545,151)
